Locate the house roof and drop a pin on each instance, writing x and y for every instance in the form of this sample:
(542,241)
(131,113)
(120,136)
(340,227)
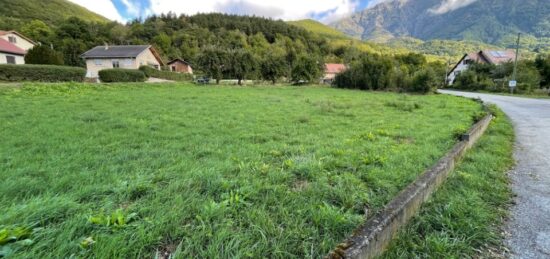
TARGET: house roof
(498,57)
(334,68)
(122,51)
(495,57)
(7,47)
(178,60)
(2,33)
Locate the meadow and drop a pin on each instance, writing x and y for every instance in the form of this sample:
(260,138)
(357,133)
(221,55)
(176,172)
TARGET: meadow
(140,170)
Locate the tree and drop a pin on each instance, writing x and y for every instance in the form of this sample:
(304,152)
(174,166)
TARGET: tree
(274,66)
(543,65)
(242,64)
(213,61)
(306,69)
(38,31)
(424,81)
(44,55)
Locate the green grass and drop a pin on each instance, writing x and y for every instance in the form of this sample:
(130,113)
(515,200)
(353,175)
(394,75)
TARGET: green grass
(464,218)
(129,170)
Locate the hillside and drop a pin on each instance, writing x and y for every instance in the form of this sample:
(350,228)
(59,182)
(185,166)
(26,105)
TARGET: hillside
(319,28)
(17,12)
(490,21)
(434,49)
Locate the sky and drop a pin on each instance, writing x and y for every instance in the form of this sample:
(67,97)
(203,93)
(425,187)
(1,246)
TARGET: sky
(321,10)
(325,11)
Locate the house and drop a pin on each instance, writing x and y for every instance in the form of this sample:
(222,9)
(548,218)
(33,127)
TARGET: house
(331,70)
(14,47)
(127,57)
(17,39)
(494,57)
(180,66)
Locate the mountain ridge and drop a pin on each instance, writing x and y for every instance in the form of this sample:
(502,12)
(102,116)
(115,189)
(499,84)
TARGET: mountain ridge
(488,21)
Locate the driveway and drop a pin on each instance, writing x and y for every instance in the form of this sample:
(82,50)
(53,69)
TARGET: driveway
(529,226)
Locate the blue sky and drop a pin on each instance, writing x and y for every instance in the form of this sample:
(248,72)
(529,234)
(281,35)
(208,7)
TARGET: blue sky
(322,10)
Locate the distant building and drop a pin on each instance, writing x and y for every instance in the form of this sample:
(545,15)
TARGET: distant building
(127,57)
(180,66)
(14,47)
(495,57)
(331,70)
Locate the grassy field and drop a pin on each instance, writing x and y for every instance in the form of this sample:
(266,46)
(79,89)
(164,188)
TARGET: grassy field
(134,170)
(464,218)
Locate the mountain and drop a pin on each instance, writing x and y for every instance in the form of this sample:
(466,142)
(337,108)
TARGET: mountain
(490,21)
(16,13)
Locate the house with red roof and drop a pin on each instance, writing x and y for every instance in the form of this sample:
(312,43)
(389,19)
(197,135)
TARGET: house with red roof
(494,57)
(14,47)
(331,70)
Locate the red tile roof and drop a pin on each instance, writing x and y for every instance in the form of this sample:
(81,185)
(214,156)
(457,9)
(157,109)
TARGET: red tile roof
(7,47)
(334,68)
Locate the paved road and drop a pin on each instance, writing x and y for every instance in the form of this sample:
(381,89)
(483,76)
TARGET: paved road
(529,226)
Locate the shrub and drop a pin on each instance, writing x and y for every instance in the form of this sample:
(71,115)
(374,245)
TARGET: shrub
(151,72)
(42,73)
(424,81)
(121,75)
(44,55)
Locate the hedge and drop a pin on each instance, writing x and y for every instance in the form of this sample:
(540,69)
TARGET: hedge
(121,75)
(167,75)
(42,73)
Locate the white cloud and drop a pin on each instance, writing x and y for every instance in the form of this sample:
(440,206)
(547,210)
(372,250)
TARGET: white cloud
(279,9)
(450,5)
(374,3)
(105,8)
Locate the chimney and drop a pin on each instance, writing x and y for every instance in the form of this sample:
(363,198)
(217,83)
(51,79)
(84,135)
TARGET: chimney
(106,46)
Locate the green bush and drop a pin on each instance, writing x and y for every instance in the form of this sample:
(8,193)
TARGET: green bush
(44,55)
(424,81)
(121,75)
(151,72)
(42,73)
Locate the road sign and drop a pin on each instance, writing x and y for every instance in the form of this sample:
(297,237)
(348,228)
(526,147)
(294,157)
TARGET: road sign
(512,84)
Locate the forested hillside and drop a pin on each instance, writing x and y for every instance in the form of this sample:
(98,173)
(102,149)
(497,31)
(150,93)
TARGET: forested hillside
(15,13)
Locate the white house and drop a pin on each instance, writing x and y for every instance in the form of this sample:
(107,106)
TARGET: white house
(495,57)
(14,47)
(127,57)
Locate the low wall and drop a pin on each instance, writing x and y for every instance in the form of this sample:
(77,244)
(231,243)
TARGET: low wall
(372,238)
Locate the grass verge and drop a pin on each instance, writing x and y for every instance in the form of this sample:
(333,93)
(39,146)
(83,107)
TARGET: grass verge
(134,170)
(464,218)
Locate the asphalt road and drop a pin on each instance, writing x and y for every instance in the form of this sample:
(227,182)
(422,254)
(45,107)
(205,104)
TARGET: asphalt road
(529,226)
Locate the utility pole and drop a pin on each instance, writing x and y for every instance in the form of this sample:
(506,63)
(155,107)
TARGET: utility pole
(447,73)
(514,76)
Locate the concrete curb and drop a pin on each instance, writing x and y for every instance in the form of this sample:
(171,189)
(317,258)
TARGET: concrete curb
(372,238)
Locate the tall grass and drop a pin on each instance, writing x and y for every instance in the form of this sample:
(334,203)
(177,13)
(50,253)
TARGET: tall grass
(208,171)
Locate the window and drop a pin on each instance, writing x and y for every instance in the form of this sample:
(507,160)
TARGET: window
(98,62)
(116,64)
(12,39)
(173,68)
(10,59)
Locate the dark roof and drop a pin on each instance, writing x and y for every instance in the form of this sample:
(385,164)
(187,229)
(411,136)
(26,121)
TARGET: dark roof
(129,51)
(6,47)
(178,60)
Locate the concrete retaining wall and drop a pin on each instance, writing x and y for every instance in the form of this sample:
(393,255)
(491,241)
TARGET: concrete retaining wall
(372,238)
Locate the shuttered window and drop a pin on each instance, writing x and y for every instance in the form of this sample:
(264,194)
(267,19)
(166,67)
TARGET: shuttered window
(10,59)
